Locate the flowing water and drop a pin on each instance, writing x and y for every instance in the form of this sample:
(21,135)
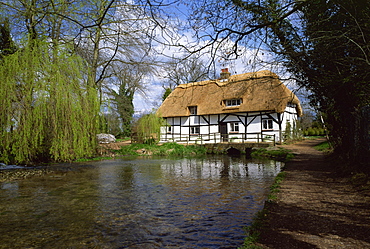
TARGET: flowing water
(141,203)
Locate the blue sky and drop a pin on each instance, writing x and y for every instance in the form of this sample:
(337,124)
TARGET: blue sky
(253,59)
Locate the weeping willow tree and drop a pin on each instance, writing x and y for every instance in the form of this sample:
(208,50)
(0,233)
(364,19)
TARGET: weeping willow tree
(148,128)
(48,110)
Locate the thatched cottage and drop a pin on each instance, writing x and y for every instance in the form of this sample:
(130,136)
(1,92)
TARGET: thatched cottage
(246,107)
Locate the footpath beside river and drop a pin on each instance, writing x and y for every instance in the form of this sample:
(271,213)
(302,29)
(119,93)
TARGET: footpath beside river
(316,207)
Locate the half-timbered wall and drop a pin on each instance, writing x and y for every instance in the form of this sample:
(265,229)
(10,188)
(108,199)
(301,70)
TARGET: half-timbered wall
(250,127)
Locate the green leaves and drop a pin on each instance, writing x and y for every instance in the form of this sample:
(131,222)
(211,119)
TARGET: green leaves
(50,113)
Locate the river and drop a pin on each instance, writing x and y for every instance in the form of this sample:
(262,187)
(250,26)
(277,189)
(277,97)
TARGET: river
(137,203)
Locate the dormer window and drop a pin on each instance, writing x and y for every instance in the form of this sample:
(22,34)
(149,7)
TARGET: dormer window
(291,105)
(193,110)
(233,102)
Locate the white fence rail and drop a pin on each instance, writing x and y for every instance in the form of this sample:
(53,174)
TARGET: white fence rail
(218,138)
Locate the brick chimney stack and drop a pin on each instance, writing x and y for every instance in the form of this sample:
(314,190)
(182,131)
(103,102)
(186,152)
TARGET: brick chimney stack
(225,74)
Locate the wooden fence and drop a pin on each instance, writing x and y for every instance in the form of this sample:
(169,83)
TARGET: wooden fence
(218,138)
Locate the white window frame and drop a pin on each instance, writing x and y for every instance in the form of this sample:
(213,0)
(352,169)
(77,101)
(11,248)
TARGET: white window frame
(234,127)
(169,129)
(194,130)
(267,124)
(233,102)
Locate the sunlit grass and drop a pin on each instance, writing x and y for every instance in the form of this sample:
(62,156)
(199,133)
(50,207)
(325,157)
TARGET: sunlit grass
(279,154)
(166,149)
(324,146)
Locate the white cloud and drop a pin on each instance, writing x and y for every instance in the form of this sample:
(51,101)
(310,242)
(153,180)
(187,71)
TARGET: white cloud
(250,60)
(152,99)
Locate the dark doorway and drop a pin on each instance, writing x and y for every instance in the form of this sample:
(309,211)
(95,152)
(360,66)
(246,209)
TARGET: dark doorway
(222,127)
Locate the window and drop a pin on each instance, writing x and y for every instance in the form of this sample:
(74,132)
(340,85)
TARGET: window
(169,129)
(194,130)
(233,102)
(291,105)
(267,124)
(234,127)
(193,110)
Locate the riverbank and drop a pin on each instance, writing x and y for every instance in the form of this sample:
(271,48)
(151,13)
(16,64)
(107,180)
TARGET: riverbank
(316,207)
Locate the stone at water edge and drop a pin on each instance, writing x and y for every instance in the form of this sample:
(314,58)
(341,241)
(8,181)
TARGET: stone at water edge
(105,138)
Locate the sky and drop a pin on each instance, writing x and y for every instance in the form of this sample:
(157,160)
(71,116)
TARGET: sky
(249,62)
(252,60)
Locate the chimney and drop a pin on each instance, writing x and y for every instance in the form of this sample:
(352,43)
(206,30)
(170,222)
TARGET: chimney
(225,74)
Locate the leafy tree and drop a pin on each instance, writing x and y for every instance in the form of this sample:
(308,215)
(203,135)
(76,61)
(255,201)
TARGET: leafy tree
(7,45)
(126,83)
(167,91)
(48,112)
(108,35)
(118,53)
(323,44)
(148,128)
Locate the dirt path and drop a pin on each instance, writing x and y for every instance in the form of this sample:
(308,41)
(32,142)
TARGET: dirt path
(316,208)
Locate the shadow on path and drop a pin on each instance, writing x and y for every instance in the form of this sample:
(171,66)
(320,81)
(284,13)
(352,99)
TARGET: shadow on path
(316,208)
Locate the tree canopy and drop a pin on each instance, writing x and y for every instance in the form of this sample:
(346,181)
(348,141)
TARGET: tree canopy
(48,111)
(59,60)
(323,45)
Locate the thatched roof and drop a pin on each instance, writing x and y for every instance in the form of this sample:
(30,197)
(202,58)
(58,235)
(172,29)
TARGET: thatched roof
(259,91)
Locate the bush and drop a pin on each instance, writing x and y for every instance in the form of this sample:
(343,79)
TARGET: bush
(314,132)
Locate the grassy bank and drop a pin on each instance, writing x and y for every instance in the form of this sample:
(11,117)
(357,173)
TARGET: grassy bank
(275,153)
(254,231)
(324,147)
(166,149)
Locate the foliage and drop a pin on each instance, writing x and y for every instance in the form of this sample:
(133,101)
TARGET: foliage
(128,81)
(275,188)
(324,146)
(7,45)
(258,224)
(323,44)
(125,108)
(279,154)
(112,37)
(166,93)
(292,133)
(337,70)
(47,110)
(253,231)
(92,159)
(148,128)
(314,132)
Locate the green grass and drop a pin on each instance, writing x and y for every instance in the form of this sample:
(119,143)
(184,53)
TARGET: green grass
(259,221)
(324,146)
(166,149)
(275,188)
(123,139)
(91,159)
(254,231)
(280,154)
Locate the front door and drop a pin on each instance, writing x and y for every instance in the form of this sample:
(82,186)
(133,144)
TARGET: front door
(222,127)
